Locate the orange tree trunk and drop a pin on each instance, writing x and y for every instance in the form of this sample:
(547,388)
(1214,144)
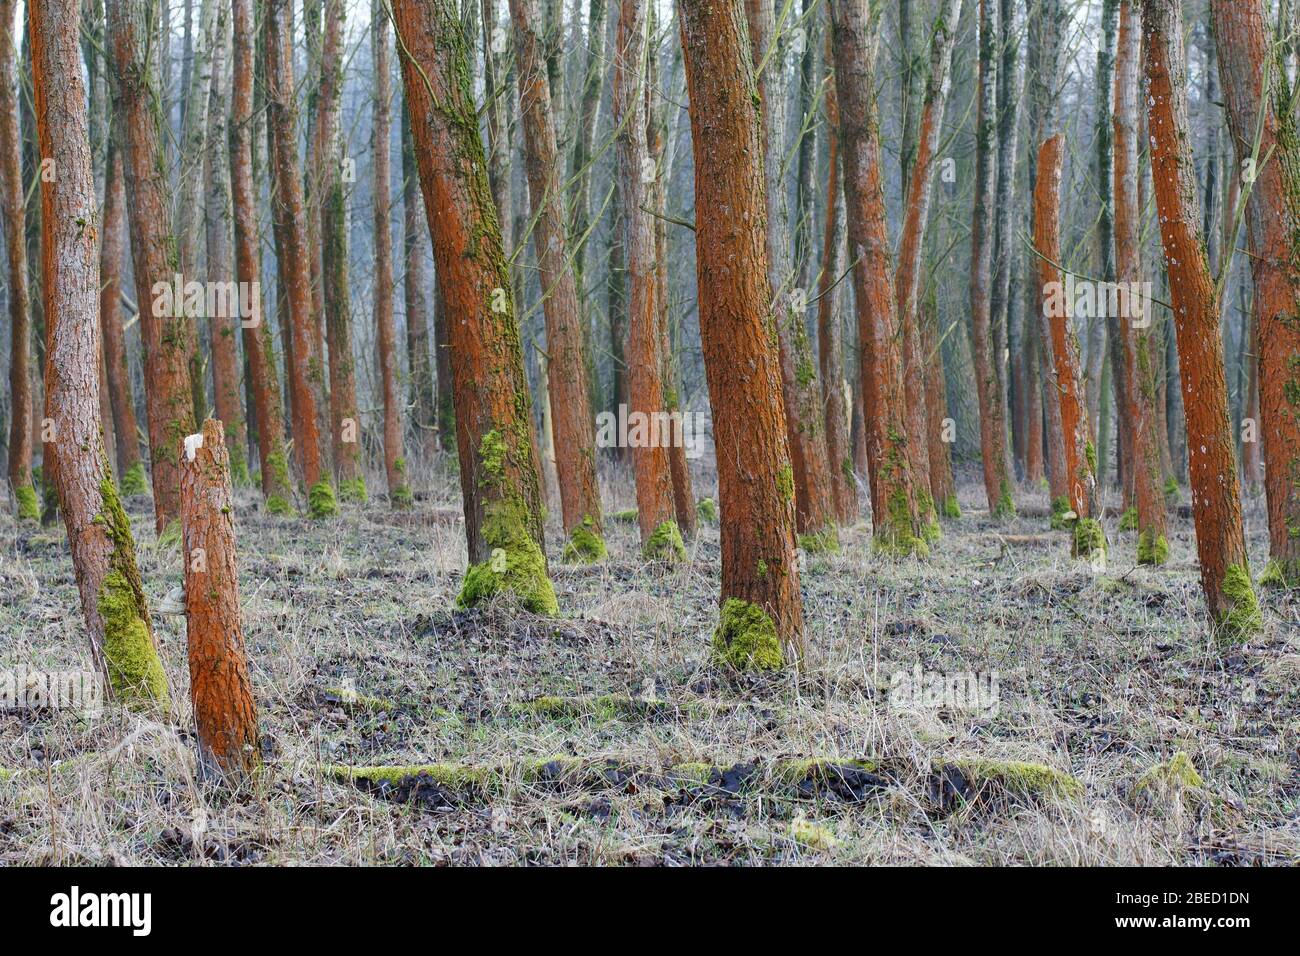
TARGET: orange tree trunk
(942,485)
(907,279)
(99,533)
(224,712)
(276,489)
(900,524)
(1273,214)
(130,470)
(399,494)
(1141,344)
(762,611)
(15,220)
(804,414)
(498,473)
(1216,501)
(227,386)
(993,421)
(167,334)
(345,421)
(571,419)
(656,514)
(1080,456)
(290,224)
(428,423)
(830,348)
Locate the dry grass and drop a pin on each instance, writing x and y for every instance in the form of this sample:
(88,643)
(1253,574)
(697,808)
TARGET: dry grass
(1101,675)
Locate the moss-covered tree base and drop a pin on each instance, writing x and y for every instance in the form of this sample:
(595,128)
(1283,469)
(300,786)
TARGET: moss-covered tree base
(353,489)
(585,544)
(1005,509)
(665,544)
(239,476)
(1129,520)
(746,638)
(133,481)
(279,505)
(707,509)
(321,502)
(29,508)
(898,541)
(515,566)
(400,498)
(1088,538)
(951,509)
(825,541)
(1244,620)
(1062,513)
(1280,575)
(1153,549)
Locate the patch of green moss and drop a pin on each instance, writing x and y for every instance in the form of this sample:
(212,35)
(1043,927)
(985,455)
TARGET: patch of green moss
(746,638)
(321,502)
(133,481)
(809,834)
(353,489)
(521,562)
(665,543)
(1006,506)
(826,541)
(1090,452)
(895,536)
(1244,618)
(1129,520)
(1175,774)
(400,498)
(1280,575)
(1089,538)
(951,509)
(1020,778)
(352,700)
(1152,548)
(1172,491)
(278,505)
(29,508)
(707,509)
(585,544)
(1062,512)
(785,482)
(134,670)
(624,517)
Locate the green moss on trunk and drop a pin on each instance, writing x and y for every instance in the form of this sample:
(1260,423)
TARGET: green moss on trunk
(1152,548)
(133,482)
(29,508)
(707,509)
(1006,506)
(516,564)
(353,489)
(400,498)
(321,502)
(1243,619)
(664,544)
(895,536)
(1061,511)
(825,541)
(585,544)
(746,638)
(238,463)
(1281,575)
(951,509)
(1089,539)
(1129,520)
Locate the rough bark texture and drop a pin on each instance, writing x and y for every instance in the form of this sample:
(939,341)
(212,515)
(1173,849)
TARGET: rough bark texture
(416,300)
(1080,455)
(908,276)
(1273,217)
(220,690)
(762,610)
(656,514)
(805,420)
(572,425)
(99,534)
(15,221)
(901,526)
(290,226)
(503,512)
(993,422)
(1140,342)
(167,333)
(1216,501)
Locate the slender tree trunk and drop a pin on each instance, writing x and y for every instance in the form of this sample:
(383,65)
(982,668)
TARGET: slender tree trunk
(1009,87)
(399,495)
(801,391)
(900,524)
(290,224)
(425,412)
(993,426)
(908,276)
(167,334)
(761,621)
(571,418)
(15,220)
(1255,86)
(656,514)
(258,346)
(830,350)
(225,714)
(942,484)
(1220,541)
(99,533)
(503,513)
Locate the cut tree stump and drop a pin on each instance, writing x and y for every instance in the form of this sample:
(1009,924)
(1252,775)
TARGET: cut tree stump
(221,692)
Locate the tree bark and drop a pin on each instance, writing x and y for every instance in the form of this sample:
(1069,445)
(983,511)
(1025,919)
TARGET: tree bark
(167,333)
(1253,88)
(503,513)
(762,611)
(220,690)
(425,412)
(99,533)
(1216,500)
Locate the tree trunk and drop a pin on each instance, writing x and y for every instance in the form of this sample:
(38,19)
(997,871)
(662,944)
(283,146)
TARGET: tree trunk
(1010,86)
(900,524)
(1140,343)
(15,219)
(571,418)
(425,413)
(762,611)
(166,331)
(1251,91)
(99,533)
(290,224)
(1080,453)
(1220,541)
(908,276)
(993,423)
(220,690)
(503,514)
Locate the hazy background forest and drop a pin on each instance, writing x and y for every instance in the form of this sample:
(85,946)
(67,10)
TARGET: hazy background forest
(891,596)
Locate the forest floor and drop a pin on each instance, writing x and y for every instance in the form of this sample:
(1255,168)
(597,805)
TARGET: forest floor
(607,736)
